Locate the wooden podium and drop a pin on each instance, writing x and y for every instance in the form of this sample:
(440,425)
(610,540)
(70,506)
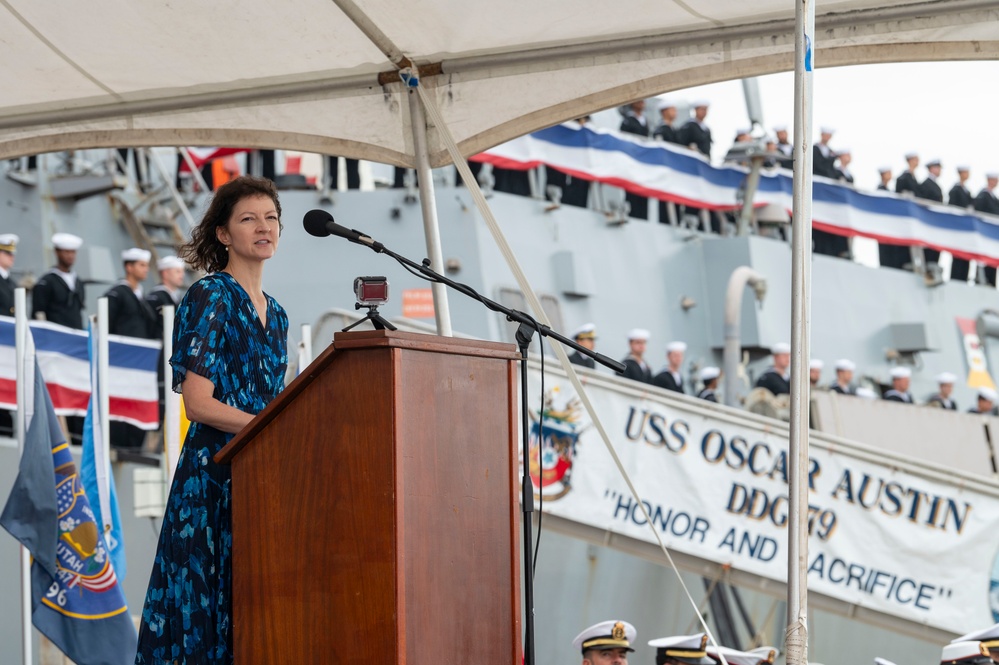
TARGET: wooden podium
(375,511)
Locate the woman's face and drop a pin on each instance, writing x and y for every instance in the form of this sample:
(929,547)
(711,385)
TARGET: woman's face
(253,230)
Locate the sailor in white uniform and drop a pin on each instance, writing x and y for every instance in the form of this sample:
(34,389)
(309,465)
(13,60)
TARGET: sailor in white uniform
(987,637)
(966,652)
(758,656)
(682,650)
(606,643)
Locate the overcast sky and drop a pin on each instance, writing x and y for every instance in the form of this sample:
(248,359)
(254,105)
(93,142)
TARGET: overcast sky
(948,110)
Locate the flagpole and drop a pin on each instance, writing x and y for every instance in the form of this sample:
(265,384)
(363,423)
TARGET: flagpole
(796,634)
(102,448)
(20,346)
(171,404)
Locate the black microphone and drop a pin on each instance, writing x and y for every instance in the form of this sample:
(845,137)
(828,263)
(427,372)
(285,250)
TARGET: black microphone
(320,224)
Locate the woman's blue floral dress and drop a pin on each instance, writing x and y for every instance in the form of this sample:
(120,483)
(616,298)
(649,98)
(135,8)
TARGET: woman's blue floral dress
(217,334)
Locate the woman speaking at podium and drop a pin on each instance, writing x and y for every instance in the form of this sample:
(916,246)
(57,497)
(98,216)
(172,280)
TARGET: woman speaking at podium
(229,361)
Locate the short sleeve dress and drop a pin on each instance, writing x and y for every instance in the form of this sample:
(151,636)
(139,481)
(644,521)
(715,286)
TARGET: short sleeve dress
(218,335)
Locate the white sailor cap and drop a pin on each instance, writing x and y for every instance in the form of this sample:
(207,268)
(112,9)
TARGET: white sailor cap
(989,394)
(816,363)
(585,331)
(968,651)
(700,102)
(845,365)
(843,151)
(709,373)
(866,393)
(666,103)
(933,162)
(826,129)
(66,241)
(900,372)
(735,657)
(780,128)
(639,334)
(963,167)
(135,254)
(780,347)
(674,347)
(766,654)
(8,243)
(988,636)
(992,175)
(912,155)
(743,130)
(606,635)
(684,648)
(878,660)
(168,262)
(946,377)
(884,169)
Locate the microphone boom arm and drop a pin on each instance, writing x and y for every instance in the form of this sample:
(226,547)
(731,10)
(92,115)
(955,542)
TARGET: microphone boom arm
(511,314)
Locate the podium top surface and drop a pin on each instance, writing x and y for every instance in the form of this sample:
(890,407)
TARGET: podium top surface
(353,341)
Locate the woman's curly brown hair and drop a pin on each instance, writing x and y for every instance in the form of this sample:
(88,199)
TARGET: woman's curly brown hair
(205,251)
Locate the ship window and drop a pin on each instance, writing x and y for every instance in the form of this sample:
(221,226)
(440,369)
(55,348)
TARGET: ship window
(514,299)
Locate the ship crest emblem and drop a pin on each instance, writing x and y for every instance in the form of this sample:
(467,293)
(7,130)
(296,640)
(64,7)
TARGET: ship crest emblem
(553,441)
(618,632)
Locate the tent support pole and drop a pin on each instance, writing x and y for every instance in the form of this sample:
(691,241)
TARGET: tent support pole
(428,204)
(796,634)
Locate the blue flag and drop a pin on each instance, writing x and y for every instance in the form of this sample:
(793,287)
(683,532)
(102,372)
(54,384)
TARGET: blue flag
(88,471)
(76,599)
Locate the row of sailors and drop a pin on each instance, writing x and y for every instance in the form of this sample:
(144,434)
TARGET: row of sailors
(776,379)
(58,295)
(635,367)
(610,642)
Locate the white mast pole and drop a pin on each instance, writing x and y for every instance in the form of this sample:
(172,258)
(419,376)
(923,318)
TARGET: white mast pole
(796,635)
(20,423)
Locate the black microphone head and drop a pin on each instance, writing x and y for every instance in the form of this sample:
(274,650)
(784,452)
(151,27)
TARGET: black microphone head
(315,223)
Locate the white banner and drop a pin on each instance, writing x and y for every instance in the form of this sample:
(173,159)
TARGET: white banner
(885,534)
(672,173)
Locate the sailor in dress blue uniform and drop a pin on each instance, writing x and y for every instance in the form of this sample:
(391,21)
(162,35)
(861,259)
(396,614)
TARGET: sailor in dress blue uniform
(635,367)
(844,376)
(899,391)
(709,377)
(777,378)
(58,295)
(670,377)
(8,248)
(586,336)
(945,380)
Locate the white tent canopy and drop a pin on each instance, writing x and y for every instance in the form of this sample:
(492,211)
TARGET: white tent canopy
(321,75)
